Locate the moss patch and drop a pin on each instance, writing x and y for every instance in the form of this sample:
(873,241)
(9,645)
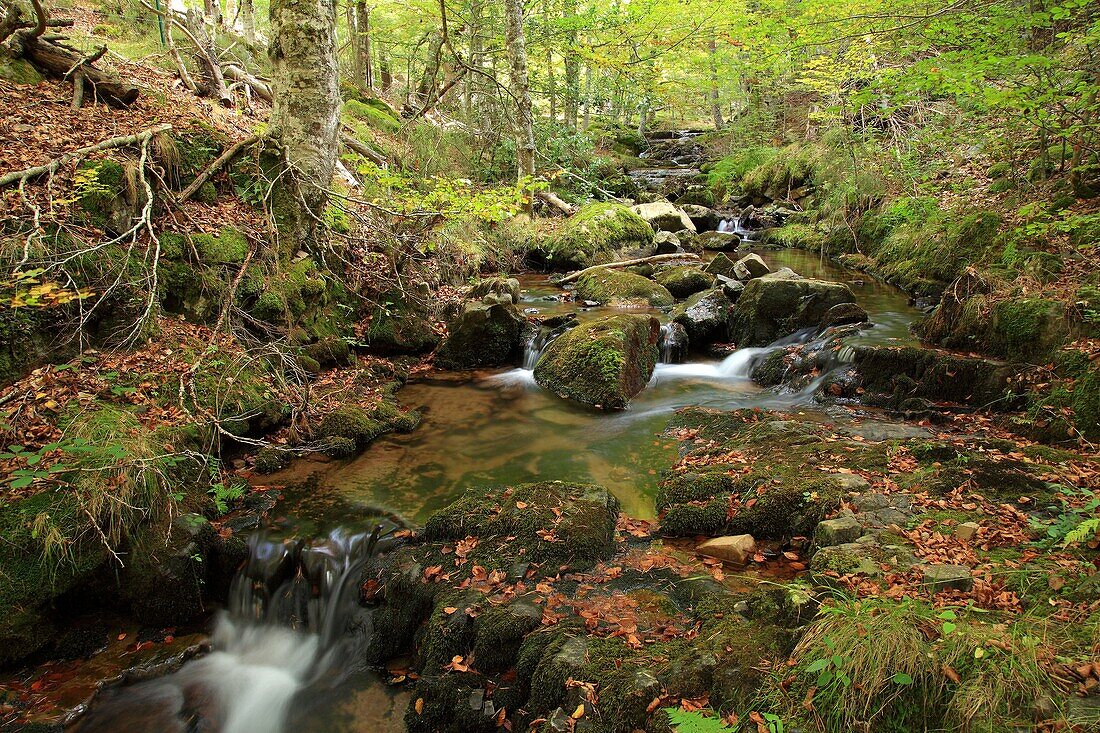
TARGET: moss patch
(593,233)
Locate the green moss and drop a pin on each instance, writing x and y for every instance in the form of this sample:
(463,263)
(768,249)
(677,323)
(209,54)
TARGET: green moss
(101,189)
(365,114)
(228,247)
(18,71)
(801,236)
(363,425)
(400,328)
(602,363)
(684,281)
(593,233)
(615,286)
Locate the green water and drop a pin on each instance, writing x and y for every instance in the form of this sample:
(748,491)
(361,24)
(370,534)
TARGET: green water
(488,428)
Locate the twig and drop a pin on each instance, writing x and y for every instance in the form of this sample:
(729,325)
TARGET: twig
(221,161)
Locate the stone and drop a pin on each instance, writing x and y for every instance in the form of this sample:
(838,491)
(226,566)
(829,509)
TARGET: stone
(666,243)
(772,307)
(948,577)
(483,336)
(594,234)
(705,219)
(786,273)
(750,266)
(602,363)
(705,317)
(967,531)
(734,549)
(843,314)
(661,215)
(718,241)
(615,286)
(838,531)
(851,482)
(720,265)
(684,281)
(497,285)
(731,288)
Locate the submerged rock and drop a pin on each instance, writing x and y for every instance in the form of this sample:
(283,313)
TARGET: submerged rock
(483,335)
(684,281)
(603,363)
(771,307)
(615,286)
(663,216)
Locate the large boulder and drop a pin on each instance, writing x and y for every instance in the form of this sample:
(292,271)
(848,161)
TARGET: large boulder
(772,307)
(496,289)
(594,233)
(684,281)
(603,363)
(663,216)
(721,265)
(704,219)
(483,335)
(718,241)
(400,329)
(615,286)
(705,317)
(666,243)
(750,266)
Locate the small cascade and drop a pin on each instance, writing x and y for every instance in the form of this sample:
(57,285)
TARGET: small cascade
(293,621)
(733,225)
(533,349)
(673,343)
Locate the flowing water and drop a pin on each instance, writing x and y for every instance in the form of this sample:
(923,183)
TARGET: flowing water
(500,427)
(284,654)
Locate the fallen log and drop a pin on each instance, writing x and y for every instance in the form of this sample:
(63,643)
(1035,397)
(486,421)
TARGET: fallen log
(60,63)
(628,263)
(555,202)
(363,149)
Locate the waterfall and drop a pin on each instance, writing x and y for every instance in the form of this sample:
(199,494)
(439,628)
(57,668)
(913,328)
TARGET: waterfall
(293,621)
(673,343)
(533,349)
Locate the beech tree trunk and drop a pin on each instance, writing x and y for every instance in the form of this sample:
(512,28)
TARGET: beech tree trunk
(364,73)
(248,21)
(715,99)
(305,118)
(521,88)
(572,70)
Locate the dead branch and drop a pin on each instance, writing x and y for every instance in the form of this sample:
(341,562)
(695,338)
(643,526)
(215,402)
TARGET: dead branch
(115,142)
(257,85)
(555,202)
(222,160)
(60,62)
(629,263)
(363,149)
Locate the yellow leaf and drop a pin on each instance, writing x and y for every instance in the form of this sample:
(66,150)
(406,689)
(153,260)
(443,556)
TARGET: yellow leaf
(419,706)
(579,712)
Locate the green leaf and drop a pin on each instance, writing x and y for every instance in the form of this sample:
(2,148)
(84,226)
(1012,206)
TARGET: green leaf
(901,679)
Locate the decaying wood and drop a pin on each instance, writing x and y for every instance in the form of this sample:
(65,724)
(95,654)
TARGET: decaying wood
(363,149)
(207,58)
(555,202)
(258,86)
(222,160)
(629,263)
(115,142)
(60,63)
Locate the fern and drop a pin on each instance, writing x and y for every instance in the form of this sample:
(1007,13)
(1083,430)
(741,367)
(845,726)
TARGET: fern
(694,722)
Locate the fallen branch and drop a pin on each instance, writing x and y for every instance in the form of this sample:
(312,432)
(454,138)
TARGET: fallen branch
(363,149)
(555,202)
(61,62)
(115,142)
(629,263)
(222,160)
(259,87)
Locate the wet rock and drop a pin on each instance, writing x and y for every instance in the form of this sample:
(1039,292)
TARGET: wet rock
(164,578)
(948,577)
(402,329)
(497,286)
(662,215)
(704,219)
(719,241)
(843,314)
(674,343)
(483,336)
(614,286)
(731,288)
(772,307)
(666,243)
(786,273)
(863,557)
(594,234)
(705,317)
(734,549)
(603,363)
(500,632)
(750,266)
(684,281)
(721,265)
(839,531)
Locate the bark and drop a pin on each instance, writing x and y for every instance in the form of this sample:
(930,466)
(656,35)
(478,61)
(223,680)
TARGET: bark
(59,62)
(212,9)
(364,73)
(521,89)
(384,73)
(587,96)
(572,70)
(206,54)
(305,118)
(555,202)
(474,80)
(676,256)
(427,83)
(551,86)
(259,87)
(715,100)
(248,21)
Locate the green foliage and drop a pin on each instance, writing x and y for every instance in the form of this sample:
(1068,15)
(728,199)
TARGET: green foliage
(726,175)
(694,721)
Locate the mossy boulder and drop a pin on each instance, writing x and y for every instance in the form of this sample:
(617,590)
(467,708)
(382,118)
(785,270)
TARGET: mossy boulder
(663,216)
(552,522)
(684,281)
(496,287)
(771,307)
(329,351)
(603,363)
(615,286)
(165,575)
(361,425)
(106,197)
(594,233)
(400,329)
(892,375)
(483,336)
(17,70)
(705,316)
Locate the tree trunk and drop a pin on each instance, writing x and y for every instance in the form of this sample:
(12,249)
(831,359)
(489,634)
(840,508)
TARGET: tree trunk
(364,74)
(212,9)
(572,69)
(427,83)
(715,100)
(643,113)
(59,62)
(248,21)
(206,54)
(384,73)
(305,118)
(587,96)
(521,90)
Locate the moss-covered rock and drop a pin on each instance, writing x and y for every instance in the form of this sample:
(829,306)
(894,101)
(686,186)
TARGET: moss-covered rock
(615,286)
(663,216)
(483,336)
(771,307)
(594,233)
(550,522)
(892,375)
(602,363)
(106,196)
(400,329)
(329,351)
(362,425)
(17,70)
(684,281)
(166,571)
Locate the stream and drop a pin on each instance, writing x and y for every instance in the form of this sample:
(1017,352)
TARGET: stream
(286,650)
